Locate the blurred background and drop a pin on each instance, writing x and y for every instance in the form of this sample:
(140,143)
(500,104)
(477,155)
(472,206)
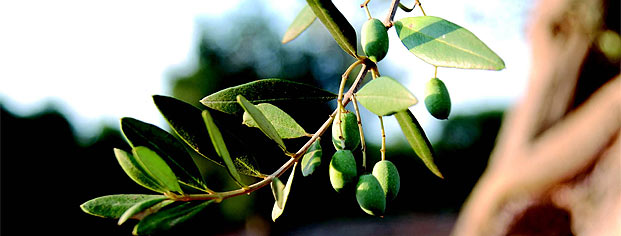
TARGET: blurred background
(69,70)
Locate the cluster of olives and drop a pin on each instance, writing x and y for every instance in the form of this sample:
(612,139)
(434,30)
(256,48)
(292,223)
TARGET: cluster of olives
(374,40)
(372,190)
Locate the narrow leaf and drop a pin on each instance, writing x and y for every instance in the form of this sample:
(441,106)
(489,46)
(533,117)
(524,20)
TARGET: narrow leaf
(187,122)
(168,218)
(220,146)
(338,26)
(285,126)
(312,158)
(275,91)
(305,18)
(136,171)
(139,133)
(157,168)
(417,139)
(263,123)
(113,206)
(442,43)
(277,190)
(277,210)
(385,96)
(140,207)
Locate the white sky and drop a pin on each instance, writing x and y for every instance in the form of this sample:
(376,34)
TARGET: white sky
(99,61)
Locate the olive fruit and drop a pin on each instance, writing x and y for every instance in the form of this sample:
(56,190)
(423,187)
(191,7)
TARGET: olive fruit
(370,195)
(388,177)
(350,132)
(437,99)
(342,170)
(374,39)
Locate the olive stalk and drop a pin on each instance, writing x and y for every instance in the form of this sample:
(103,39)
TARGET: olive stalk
(363,145)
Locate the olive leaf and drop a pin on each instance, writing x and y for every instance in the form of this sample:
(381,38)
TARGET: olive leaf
(442,43)
(385,96)
(312,158)
(417,139)
(263,123)
(166,219)
(279,208)
(140,207)
(220,146)
(285,126)
(277,190)
(136,171)
(157,168)
(274,91)
(303,20)
(139,133)
(113,206)
(338,26)
(187,122)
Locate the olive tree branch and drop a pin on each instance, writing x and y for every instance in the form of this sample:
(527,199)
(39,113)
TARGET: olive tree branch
(267,180)
(391,15)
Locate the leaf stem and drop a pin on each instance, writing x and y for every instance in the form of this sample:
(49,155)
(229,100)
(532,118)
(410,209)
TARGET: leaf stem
(421,7)
(383,149)
(362,142)
(267,180)
(391,15)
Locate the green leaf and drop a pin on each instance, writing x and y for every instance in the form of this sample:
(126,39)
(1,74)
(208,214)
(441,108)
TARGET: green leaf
(139,207)
(136,171)
(441,43)
(277,190)
(417,139)
(338,26)
(279,208)
(168,218)
(275,91)
(113,206)
(187,122)
(220,146)
(305,18)
(263,123)
(139,133)
(285,126)
(312,158)
(157,168)
(385,96)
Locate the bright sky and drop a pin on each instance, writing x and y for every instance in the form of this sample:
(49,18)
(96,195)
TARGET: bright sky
(98,61)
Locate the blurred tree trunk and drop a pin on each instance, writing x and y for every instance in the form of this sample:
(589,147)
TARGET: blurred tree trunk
(556,168)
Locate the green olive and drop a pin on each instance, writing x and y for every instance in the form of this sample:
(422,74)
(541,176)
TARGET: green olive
(374,39)
(350,134)
(437,99)
(342,170)
(388,177)
(370,195)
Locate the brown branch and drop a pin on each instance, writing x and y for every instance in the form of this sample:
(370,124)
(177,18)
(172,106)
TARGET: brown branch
(391,15)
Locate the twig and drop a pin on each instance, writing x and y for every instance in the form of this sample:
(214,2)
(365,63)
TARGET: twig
(391,15)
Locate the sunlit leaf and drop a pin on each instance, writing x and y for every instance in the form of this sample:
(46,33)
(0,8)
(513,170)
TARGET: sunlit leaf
(385,96)
(220,146)
(417,139)
(136,171)
(113,206)
(285,126)
(139,133)
(274,91)
(277,190)
(157,168)
(187,122)
(338,26)
(441,43)
(312,158)
(304,19)
(140,207)
(278,209)
(166,219)
(263,123)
